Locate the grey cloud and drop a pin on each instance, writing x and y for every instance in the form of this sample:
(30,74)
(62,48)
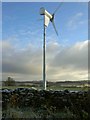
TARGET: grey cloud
(23,61)
(75,57)
(66,63)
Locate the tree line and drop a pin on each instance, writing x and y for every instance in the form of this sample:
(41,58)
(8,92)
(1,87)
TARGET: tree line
(9,82)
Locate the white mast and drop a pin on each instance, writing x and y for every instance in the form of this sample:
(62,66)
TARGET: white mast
(47,18)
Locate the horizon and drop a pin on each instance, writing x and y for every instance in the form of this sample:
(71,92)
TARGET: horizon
(47,80)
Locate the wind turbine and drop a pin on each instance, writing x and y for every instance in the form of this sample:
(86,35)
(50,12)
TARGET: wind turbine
(47,19)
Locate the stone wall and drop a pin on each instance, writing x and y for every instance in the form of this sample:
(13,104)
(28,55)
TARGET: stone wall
(77,102)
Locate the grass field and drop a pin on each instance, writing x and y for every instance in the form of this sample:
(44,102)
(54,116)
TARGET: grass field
(32,113)
(50,88)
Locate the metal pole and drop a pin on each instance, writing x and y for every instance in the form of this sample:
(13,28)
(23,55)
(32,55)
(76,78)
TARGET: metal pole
(44,67)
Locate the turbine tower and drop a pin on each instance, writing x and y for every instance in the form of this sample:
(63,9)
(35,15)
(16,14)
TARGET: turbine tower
(47,18)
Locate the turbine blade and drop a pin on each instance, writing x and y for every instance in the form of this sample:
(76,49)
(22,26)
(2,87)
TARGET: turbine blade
(58,8)
(54,27)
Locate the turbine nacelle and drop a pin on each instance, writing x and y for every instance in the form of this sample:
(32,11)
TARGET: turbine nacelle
(44,12)
(47,18)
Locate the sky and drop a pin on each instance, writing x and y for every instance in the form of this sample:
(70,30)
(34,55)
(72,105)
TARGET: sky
(22,37)
(45,0)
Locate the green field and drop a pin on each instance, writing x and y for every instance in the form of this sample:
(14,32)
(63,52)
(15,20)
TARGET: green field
(50,88)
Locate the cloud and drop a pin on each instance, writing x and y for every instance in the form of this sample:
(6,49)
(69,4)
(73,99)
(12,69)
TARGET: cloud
(18,61)
(75,21)
(72,62)
(62,63)
(74,56)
